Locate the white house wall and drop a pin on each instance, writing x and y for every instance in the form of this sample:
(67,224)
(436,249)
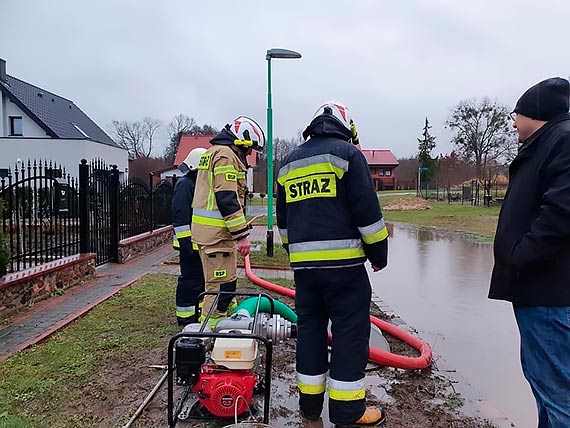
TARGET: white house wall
(67,153)
(168,174)
(250,179)
(29,128)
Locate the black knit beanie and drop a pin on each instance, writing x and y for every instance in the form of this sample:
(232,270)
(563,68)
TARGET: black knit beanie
(545,100)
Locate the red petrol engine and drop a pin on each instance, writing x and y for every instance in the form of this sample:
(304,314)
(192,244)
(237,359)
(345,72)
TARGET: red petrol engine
(218,389)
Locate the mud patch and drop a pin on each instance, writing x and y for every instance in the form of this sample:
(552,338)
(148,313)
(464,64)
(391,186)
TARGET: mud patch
(405,204)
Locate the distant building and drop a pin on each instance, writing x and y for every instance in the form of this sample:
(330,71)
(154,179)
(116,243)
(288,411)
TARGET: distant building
(38,124)
(382,164)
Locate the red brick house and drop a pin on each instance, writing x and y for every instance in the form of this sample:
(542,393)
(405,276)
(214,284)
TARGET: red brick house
(382,164)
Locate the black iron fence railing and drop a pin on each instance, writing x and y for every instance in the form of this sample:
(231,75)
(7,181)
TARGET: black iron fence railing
(49,214)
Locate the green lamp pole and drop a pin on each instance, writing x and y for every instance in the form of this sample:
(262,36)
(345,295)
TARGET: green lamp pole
(278,54)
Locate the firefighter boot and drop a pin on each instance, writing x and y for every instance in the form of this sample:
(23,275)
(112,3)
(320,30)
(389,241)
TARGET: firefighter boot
(372,417)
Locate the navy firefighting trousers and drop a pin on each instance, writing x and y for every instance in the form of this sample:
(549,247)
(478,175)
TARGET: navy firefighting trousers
(190,285)
(341,295)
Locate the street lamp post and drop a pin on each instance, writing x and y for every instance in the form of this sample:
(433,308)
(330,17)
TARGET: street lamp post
(420,170)
(278,54)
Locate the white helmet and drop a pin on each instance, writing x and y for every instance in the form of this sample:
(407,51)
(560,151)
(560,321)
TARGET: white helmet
(247,133)
(340,113)
(192,160)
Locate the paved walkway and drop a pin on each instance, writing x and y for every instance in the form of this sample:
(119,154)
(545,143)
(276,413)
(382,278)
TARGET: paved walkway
(259,233)
(46,317)
(52,314)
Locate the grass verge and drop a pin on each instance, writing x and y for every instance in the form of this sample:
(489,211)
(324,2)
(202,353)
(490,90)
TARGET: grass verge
(280,256)
(38,385)
(478,221)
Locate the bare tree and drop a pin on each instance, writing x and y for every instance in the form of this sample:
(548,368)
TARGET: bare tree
(130,136)
(178,126)
(151,126)
(137,137)
(283,147)
(483,133)
(184,125)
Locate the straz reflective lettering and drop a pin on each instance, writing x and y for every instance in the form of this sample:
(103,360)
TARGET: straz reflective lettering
(205,161)
(314,186)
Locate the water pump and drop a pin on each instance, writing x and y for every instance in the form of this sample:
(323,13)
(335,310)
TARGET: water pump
(221,369)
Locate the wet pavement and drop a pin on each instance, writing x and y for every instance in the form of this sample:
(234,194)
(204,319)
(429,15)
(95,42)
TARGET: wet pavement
(438,282)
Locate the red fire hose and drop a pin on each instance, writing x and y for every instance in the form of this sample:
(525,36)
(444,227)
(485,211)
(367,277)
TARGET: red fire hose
(379,356)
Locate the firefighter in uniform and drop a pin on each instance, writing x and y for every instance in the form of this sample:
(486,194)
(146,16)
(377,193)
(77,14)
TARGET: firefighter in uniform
(191,279)
(218,221)
(330,222)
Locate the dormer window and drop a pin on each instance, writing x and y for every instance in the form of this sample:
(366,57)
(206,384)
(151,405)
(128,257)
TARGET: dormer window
(16,126)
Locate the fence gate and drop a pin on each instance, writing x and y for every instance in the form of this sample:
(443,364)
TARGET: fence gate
(99,186)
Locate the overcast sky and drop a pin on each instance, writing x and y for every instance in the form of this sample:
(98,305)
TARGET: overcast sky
(391,62)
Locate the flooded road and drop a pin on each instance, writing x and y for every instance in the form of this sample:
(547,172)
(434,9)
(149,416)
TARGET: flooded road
(438,283)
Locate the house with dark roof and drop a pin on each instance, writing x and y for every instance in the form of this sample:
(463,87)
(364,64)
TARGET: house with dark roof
(382,165)
(38,124)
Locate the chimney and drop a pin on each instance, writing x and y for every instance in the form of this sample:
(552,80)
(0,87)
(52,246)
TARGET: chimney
(2,70)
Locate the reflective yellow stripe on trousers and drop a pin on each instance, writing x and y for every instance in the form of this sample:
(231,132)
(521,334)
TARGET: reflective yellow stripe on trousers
(311,385)
(346,391)
(182,231)
(284,236)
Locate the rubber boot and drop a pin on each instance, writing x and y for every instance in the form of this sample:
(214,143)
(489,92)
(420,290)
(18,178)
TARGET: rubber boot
(372,417)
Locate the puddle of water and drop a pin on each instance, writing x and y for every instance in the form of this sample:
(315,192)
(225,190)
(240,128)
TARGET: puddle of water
(438,283)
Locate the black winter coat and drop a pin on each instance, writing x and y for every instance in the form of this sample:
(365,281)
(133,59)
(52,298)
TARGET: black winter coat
(532,243)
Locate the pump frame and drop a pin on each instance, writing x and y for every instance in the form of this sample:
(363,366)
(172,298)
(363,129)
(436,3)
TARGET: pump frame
(268,343)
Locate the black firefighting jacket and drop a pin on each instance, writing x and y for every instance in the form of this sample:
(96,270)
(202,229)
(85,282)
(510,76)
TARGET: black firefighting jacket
(328,212)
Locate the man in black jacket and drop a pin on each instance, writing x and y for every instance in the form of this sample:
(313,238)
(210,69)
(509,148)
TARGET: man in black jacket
(191,279)
(330,222)
(532,246)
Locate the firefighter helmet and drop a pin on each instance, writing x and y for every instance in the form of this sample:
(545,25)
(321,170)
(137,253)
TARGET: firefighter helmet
(340,114)
(192,160)
(247,133)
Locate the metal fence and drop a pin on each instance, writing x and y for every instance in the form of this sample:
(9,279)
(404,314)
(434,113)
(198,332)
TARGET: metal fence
(40,213)
(474,192)
(143,208)
(48,214)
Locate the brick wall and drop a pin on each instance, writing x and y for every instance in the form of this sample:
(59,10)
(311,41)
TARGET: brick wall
(135,246)
(29,286)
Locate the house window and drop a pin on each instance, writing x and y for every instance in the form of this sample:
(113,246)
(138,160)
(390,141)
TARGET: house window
(380,172)
(388,172)
(16,126)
